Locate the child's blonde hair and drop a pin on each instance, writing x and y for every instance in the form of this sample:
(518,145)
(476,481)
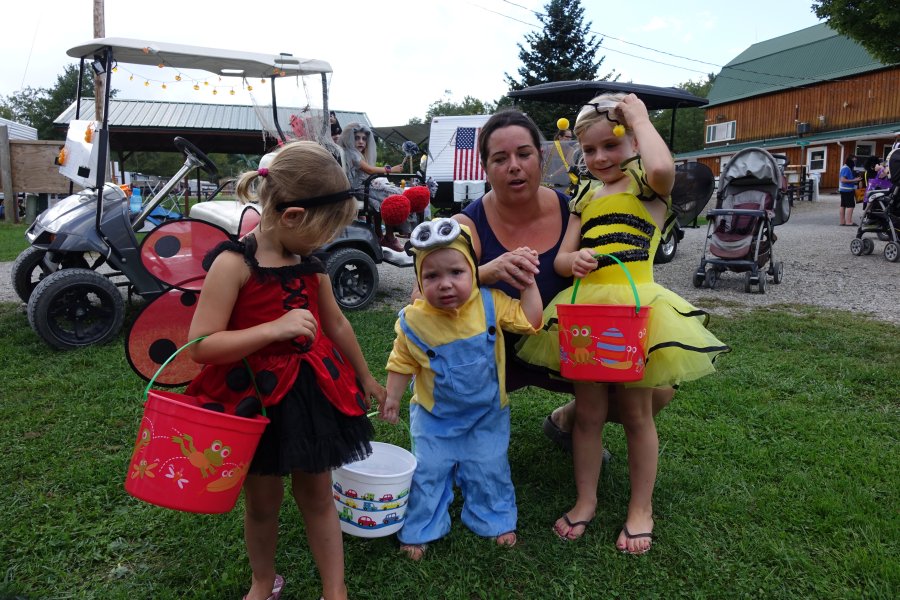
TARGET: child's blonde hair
(600,109)
(298,171)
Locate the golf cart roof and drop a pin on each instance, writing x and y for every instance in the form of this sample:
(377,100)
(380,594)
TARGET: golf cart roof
(579,92)
(231,63)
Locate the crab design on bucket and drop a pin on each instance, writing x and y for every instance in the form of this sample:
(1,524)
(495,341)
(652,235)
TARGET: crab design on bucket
(208,460)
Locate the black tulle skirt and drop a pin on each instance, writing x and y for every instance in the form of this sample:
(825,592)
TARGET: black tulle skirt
(307,433)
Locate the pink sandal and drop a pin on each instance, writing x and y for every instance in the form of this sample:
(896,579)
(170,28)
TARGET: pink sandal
(276,588)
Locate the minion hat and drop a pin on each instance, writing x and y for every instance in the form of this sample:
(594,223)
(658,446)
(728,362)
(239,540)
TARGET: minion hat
(436,234)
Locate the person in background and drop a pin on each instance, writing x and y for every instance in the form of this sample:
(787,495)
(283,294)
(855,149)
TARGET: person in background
(359,150)
(266,300)
(849,181)
(450,339)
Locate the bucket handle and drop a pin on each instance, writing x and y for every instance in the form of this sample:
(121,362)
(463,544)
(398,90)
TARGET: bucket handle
(412,443)
(637,301)
(177,352)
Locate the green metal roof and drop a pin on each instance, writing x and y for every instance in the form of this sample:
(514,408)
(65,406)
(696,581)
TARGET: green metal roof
(809,56)
(842,135)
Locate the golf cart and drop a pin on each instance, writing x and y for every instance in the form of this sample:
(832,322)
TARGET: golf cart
(72,302)
(694,183)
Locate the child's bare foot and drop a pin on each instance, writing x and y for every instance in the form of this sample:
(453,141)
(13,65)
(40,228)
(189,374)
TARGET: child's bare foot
(414,551)
(636,538)
(508,539)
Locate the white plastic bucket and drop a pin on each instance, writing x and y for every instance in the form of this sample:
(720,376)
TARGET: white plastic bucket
(370,495)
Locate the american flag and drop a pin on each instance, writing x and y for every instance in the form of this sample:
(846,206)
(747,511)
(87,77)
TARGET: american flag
(466,160)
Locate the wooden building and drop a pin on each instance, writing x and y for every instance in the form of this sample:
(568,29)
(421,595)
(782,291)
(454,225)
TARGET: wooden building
(814,95)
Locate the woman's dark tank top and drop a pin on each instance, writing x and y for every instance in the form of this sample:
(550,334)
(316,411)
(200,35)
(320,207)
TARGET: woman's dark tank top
(549,283)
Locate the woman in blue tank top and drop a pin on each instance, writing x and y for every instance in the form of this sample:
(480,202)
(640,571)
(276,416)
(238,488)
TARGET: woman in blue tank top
(517,228)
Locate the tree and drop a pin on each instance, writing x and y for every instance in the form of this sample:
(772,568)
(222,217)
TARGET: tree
(875,24)
(564,50)
(690,123)
(469,106)
(39,107)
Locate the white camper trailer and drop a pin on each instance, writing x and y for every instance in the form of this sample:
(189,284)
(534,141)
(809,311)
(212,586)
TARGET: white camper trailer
(453,160)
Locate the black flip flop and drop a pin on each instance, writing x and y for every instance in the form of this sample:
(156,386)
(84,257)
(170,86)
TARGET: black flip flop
(633,536)
(571,525)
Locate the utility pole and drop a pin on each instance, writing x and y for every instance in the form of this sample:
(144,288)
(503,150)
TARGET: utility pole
(99,32)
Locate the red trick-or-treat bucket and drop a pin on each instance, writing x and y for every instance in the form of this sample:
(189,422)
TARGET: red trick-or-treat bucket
(602,342)
(190,458)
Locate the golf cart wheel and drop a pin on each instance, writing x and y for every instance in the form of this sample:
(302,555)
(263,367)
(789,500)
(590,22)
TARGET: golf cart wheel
(748,282)
(777,272)
(667,248)
(711,278)
(29,269)
(698,279)
(856,246)
(892,251)
(354,278)
(73,308)
(868,246)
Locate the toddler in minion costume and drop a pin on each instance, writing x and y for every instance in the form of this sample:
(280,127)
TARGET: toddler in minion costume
(450,340)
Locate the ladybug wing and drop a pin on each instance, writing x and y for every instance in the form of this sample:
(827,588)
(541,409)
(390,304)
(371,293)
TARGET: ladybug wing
(158,331)
(173,252)
(249,220)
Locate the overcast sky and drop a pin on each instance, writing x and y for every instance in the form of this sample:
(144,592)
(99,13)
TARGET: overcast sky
(389,60)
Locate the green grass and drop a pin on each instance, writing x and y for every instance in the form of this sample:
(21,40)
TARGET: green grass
(12,240)
(778,478)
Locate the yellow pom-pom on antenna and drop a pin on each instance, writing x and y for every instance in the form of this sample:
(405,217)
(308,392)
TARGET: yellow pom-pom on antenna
(562,124)
(619,130)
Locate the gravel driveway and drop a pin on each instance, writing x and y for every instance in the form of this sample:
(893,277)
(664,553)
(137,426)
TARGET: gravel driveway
(818,270)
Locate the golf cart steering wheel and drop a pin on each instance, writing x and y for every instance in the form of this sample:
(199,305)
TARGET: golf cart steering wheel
(190,150)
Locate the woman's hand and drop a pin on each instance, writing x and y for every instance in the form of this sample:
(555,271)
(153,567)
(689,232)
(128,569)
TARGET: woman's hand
(583,262)
(293,324)
(516,268)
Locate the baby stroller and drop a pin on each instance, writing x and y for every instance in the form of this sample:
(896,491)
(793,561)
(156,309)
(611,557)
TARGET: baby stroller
(881,216)
(751,201)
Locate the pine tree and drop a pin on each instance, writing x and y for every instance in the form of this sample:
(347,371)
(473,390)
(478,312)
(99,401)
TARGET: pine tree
(564,50)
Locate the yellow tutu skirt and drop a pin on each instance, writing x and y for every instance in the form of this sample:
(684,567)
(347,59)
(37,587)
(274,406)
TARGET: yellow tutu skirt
(679,347)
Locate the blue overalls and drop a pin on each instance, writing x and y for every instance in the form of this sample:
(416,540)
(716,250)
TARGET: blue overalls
(465,438)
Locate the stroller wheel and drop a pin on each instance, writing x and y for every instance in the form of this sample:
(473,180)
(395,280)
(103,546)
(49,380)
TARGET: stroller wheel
(777,272)
(892,251)
(868,246)
(712,277)
(698,279)
(856,246)
(884,236)
(748,282)
(761,283)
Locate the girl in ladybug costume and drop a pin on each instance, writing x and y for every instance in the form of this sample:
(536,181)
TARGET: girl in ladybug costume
(267,300)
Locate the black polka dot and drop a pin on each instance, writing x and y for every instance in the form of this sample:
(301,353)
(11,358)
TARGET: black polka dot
(337,355)
(266,381)
(332,368)
(238,379)
(167,246)
(248,407)
(161,350)
(214,406)
(188,299)
(361,401)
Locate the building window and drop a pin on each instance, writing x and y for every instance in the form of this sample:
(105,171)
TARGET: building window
(720,132)
(815,159)
(864,149)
